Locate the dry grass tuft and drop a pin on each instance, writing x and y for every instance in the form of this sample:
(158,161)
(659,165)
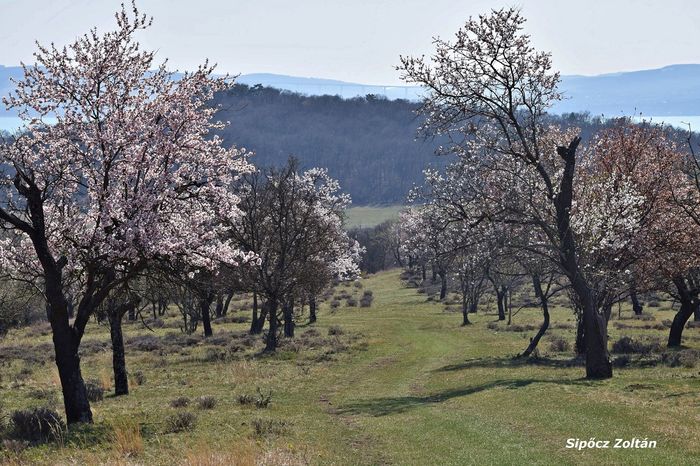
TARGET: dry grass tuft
(126,438)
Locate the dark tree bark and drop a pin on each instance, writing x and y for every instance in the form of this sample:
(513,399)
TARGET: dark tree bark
(229,297)
(465,310)
(219,309)
(637,307)
(132,314)
(121,380)
(539,293)
(75,400)
(500,295)
(598,364)
(205,303)
(443,284)
(288,310)
(312,309)
(689,305)
(258,322)
(271,340)
(580,345)
(433,273)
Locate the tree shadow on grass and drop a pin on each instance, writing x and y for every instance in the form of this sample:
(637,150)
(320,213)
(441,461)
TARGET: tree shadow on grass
(400,404)
(510,362)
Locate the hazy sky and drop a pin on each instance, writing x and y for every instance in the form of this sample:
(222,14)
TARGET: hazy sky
(361,40)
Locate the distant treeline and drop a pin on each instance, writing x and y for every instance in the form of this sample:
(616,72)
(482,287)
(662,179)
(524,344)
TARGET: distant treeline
(367,143)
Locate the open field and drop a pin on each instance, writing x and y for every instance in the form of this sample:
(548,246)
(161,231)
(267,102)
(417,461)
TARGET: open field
(400,383)
(368,216)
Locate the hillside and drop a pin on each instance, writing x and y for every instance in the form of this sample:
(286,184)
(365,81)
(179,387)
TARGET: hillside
(368,144)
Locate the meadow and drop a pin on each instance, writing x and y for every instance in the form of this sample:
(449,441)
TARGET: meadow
(370,216)
(399,382)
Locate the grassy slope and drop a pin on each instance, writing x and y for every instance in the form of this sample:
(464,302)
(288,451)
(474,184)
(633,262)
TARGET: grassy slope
(371,216)
(424,391)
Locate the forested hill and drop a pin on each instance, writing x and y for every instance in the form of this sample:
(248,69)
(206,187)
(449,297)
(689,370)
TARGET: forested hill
(367,143)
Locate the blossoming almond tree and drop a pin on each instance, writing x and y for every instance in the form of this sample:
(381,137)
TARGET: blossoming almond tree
(129,173)
(488,92)
(293,222)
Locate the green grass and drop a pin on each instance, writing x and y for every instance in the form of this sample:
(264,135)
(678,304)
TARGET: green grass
(371,216)
(415,388)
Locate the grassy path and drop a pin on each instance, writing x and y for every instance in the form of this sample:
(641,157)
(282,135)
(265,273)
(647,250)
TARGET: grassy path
(430,392)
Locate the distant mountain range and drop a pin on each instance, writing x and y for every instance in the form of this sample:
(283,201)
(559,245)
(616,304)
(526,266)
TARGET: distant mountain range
(671,90)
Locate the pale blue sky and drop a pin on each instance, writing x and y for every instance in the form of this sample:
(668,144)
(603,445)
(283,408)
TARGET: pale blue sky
(361,40)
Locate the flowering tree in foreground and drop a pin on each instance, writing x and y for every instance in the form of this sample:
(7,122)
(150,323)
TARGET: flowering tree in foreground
(129,174)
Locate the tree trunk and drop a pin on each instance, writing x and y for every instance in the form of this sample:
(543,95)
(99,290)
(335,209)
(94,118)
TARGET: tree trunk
(227,303)
(219,310)
(121,381)
(132,313)
(288,310)
(434,273)
(465,309)
(545,314)
(205,303)
(689,306)
(580,345)
(258,322)
(75,400)
(443,285)
(598,365)
(271,341)
(312,309)
(500,294)
(422,271)
(636,305)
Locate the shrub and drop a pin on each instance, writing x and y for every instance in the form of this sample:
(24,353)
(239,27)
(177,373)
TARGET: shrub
(213,355)
(180,402)
(263,400)
(146,343)
(351,302)
(627,345)
(335,304)
(37,425)
(653,304)
(622,361)
(138,377)
(206,402)
(311,333)
(366,300)
(44,394)
(687,358)
(95,390)
(264,427)
(180,422)
(559,345)
(335,330)
(357,284)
